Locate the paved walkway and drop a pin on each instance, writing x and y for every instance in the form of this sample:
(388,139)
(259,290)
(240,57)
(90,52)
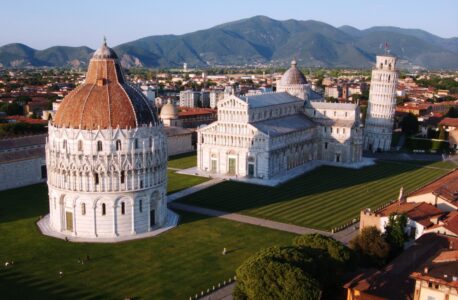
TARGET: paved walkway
(247,219)
(193,189)
(224,293)
(174,169)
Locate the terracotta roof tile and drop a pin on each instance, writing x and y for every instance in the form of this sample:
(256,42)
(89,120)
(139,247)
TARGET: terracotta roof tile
(105,100)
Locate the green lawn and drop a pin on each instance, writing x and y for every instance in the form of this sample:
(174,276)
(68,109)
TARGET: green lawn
(178,182)
(324,198)
(183,161)
(174,265)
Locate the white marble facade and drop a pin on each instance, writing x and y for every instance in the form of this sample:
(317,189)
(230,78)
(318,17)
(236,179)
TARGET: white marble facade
(106,183)
(263,136)
(382,105)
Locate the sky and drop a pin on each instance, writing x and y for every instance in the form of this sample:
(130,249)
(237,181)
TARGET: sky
(44,23)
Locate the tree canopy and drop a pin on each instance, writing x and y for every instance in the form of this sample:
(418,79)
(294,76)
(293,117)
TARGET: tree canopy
(395,234)
(409,124)
(371,247)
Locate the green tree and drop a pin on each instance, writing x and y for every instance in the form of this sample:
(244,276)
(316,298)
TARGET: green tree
(452,113)
(395,234)
(442,133)
(11,109)
(370,246)
(409,124)
(278,273)
(335,249)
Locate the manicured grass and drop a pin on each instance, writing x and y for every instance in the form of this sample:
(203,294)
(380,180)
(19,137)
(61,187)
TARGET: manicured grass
(174,265)
(324,198)
(178,182)
(183,161)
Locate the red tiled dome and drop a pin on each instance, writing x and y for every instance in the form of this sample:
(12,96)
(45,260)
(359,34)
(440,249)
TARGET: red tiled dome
(105,99)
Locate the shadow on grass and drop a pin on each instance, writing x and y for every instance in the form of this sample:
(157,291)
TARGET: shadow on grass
(16,285)
(25,202)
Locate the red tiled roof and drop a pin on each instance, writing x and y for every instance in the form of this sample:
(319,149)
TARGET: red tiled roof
(393,281)
(196,111)
(419,212)
(26,120)
(445,187)
(449,122)
(105,100)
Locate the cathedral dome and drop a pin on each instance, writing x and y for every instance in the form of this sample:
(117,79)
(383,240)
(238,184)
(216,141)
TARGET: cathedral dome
(169,111)
(105,99)
(293,76)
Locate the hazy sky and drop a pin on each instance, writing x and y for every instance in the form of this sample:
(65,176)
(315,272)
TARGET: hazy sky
(44,23)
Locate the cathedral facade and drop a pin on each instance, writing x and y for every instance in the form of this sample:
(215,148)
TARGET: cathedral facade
(267,135)
(106,157)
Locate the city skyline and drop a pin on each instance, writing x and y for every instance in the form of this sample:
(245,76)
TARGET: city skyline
(55,23)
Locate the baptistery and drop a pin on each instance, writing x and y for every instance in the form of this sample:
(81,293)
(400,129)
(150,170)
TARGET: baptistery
(106,157)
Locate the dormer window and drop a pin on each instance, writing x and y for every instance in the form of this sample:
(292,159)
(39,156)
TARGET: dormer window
(118,145)
(99,146)
(80,145)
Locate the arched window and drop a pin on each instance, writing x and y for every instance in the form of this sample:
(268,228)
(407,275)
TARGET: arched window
(381,66)
(64,144)
(104,209)
(150,142)
(326,145)
(123,176)
(83,208)
(140,205)
(389,76)
(136,143)
(141,184)
(389,66)
(99,146)
(123,208)
(80,145)
(96,178)
(118,145)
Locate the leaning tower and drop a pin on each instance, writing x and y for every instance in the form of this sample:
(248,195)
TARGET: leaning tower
(382,104)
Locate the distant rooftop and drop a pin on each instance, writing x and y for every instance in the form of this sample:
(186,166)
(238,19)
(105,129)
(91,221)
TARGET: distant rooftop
(284,125)
(268,99)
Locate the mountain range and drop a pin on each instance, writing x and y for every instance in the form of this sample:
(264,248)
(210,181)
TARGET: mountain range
(259,41)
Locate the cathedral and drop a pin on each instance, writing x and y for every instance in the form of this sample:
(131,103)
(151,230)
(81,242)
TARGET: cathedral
(106,157)
(267,135)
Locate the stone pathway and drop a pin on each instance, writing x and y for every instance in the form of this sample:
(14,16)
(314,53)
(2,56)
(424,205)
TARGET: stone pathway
(193,189)
(174,169)
(224,293)
(246,219)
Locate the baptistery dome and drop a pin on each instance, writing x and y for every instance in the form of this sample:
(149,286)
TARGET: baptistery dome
(105,99)
(106,158)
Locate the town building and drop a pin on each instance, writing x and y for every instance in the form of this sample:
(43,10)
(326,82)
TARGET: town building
(179,139)
(215,97)
(268,135)
(22,161)
(382,104)
(427,270)
(189,98)
(106,157)
(442,192)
